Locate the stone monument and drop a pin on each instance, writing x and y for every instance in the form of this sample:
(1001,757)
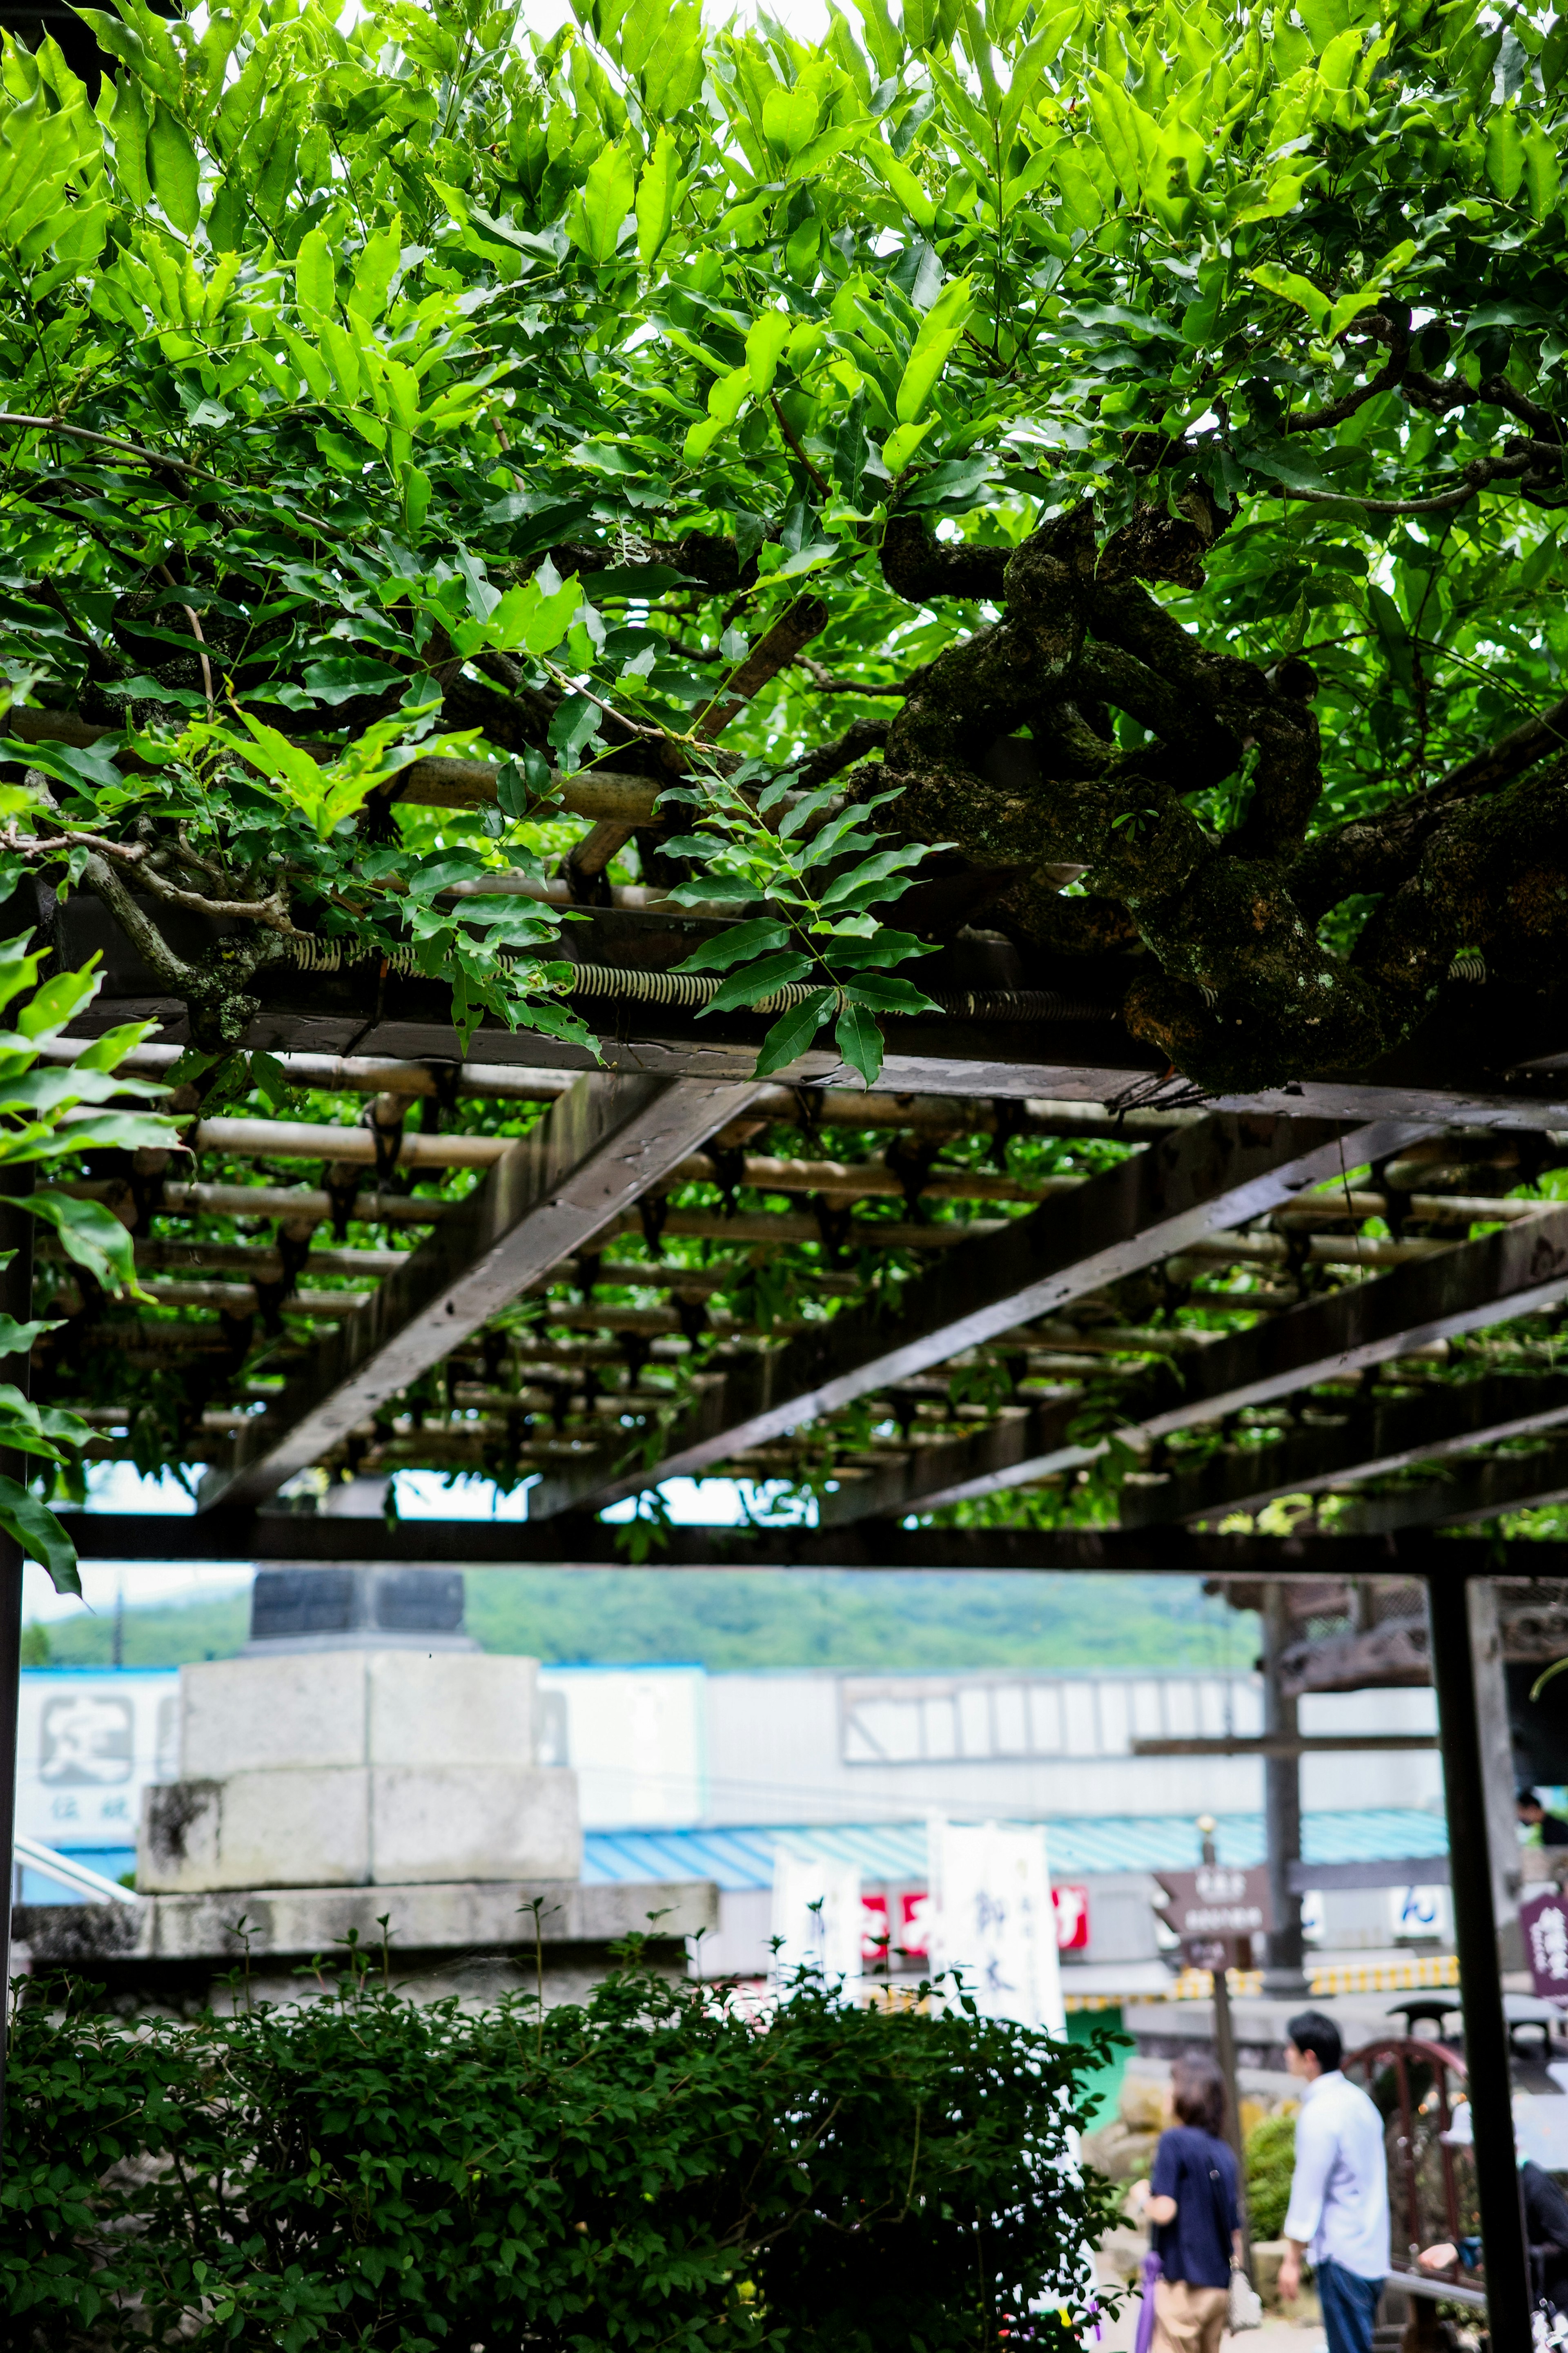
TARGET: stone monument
(362,1762)
(362,1739)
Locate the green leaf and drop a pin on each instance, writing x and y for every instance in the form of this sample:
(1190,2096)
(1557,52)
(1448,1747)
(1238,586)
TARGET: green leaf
(883,947)
(1389,623)
(594,222)
(35,1529)
(1542,172)
(851,450)
(764,345)
(107,1052)
(940,330)
(90,1236)
(1505,154)
(315,278)
(176,175)
(571,724)
(952,485)
(339,678)
(732,946)
(130,126)
(790,118)
(1291,287)
(1079,191)
(58,999)
(376,269)
(898,176)
(871,873)
(523,782)
(793,1032)
(1284,460)
(657,192)
(758,981)
(17,1339)
(887,992)
(900,447)
(860,1041)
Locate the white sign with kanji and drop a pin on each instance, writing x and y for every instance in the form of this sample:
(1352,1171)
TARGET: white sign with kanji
(993,1919)
(817,1917)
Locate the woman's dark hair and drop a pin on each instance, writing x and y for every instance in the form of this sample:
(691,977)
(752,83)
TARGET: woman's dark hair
(1197,2093)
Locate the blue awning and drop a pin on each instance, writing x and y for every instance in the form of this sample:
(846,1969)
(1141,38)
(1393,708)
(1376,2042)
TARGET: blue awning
(896,1852)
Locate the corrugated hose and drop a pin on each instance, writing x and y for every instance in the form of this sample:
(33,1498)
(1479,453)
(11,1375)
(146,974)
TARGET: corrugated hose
(691,990)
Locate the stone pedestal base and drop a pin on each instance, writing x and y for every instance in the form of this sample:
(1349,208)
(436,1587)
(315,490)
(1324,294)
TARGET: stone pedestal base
(175,1952)
(353,1769)
(357,1825)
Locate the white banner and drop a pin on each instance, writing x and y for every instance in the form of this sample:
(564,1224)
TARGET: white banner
(993,1919)
(817,1914)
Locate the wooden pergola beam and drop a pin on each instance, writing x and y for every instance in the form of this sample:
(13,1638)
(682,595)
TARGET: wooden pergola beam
(1177,1190)
(1503,1275)
(309,1540)
(1479,1489)
(603,1144)
(1378,1436)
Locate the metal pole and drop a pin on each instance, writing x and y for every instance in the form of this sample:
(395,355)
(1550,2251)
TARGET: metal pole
(15,1300)
(1224,2054)
(1480,1977)
(1285,1974)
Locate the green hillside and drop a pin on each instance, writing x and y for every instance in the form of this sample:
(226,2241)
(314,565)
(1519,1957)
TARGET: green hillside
(756,1619)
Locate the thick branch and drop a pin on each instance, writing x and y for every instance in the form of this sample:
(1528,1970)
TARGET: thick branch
(179,977)
(1492,878)
(918,567)
(1239,700)
(1159,545)
(1391,326)
(271,911)
(708,560)
(1375,855)
(866,735)
(774,651)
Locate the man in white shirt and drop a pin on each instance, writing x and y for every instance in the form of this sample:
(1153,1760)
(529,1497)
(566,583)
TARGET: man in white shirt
(1339,2192)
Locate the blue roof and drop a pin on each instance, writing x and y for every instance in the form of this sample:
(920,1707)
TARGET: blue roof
(738,1859)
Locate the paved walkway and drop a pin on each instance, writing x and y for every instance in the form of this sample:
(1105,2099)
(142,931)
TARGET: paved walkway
(1276,2336)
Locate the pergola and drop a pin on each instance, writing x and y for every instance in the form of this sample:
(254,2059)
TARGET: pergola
(367,1318)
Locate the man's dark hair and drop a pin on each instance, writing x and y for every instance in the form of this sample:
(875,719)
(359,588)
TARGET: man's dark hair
(1525,1797)
(1314,2032)
(1197,2093)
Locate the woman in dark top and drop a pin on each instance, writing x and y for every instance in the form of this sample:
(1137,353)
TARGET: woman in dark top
(1193,2206)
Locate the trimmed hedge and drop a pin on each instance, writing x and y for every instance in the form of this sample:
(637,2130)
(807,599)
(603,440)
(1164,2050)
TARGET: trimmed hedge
(652,2170)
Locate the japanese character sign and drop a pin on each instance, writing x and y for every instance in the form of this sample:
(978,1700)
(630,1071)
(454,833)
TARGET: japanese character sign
(1545,1920)
(993,1919)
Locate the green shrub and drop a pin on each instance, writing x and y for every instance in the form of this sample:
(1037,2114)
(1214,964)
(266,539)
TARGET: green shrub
(1270,2159)
(652,2170)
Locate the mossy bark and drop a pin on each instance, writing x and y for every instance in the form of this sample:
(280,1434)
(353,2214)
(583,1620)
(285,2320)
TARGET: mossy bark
(1237,989)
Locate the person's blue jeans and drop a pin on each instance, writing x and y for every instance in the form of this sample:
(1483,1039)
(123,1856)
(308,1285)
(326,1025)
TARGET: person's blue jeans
(1350,2306)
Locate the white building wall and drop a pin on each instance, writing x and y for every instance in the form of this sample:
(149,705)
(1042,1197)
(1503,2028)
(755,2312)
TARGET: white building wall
(825,1746)
(637,1737)
(673,1746)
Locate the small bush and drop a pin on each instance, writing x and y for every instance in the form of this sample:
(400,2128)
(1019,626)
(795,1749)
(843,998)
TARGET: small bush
(651,2169)
(1270,2161)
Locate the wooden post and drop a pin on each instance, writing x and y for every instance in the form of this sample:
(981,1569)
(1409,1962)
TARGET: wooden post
(1471,1866)
(1285,1974)
(15,1300)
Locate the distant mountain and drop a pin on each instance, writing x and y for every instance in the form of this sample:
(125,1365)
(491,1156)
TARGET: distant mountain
(749,1618)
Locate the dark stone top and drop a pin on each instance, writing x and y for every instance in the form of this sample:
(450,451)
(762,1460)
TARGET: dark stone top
(288,1604)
